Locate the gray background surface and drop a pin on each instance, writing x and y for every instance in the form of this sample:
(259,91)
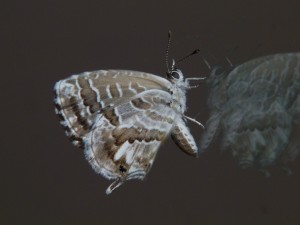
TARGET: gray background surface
(46,180)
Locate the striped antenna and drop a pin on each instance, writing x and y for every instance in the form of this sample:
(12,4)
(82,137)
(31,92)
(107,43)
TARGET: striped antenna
(167,51)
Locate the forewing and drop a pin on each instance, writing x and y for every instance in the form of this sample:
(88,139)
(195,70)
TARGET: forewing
(126,138)
(80,98)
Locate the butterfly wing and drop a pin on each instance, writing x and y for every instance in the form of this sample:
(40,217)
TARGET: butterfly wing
(119,117)
(126,137)
(256,107)
(80,98)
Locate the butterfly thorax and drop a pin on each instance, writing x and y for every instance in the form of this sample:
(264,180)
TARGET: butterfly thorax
(177,90)
(178,99)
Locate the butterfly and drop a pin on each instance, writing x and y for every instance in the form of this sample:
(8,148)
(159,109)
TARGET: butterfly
(256,109)
(121,117)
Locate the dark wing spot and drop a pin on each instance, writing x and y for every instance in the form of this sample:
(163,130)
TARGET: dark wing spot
(122,169)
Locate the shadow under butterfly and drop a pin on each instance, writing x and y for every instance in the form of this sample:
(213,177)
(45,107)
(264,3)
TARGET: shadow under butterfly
(255,108)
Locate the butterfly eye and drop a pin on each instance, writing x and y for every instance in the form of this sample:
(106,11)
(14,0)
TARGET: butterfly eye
(175,75)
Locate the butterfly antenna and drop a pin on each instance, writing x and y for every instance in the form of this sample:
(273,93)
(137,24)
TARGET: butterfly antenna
(196,51)
(167,51)
(206,63)
(231,53)
(229,61)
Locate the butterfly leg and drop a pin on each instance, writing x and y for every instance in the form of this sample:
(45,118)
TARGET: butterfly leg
(195,121)
(188,81)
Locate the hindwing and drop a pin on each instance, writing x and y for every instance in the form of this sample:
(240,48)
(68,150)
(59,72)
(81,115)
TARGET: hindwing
(126,138)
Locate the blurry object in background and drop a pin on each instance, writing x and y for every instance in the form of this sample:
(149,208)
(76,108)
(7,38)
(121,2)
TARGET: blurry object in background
(256,110)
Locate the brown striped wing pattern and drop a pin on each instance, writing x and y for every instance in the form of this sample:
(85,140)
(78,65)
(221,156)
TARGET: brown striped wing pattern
(120,118)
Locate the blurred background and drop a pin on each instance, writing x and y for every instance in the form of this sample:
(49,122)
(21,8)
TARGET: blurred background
(46,180)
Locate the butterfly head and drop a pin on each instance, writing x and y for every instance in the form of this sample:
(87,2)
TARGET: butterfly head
(175,75)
